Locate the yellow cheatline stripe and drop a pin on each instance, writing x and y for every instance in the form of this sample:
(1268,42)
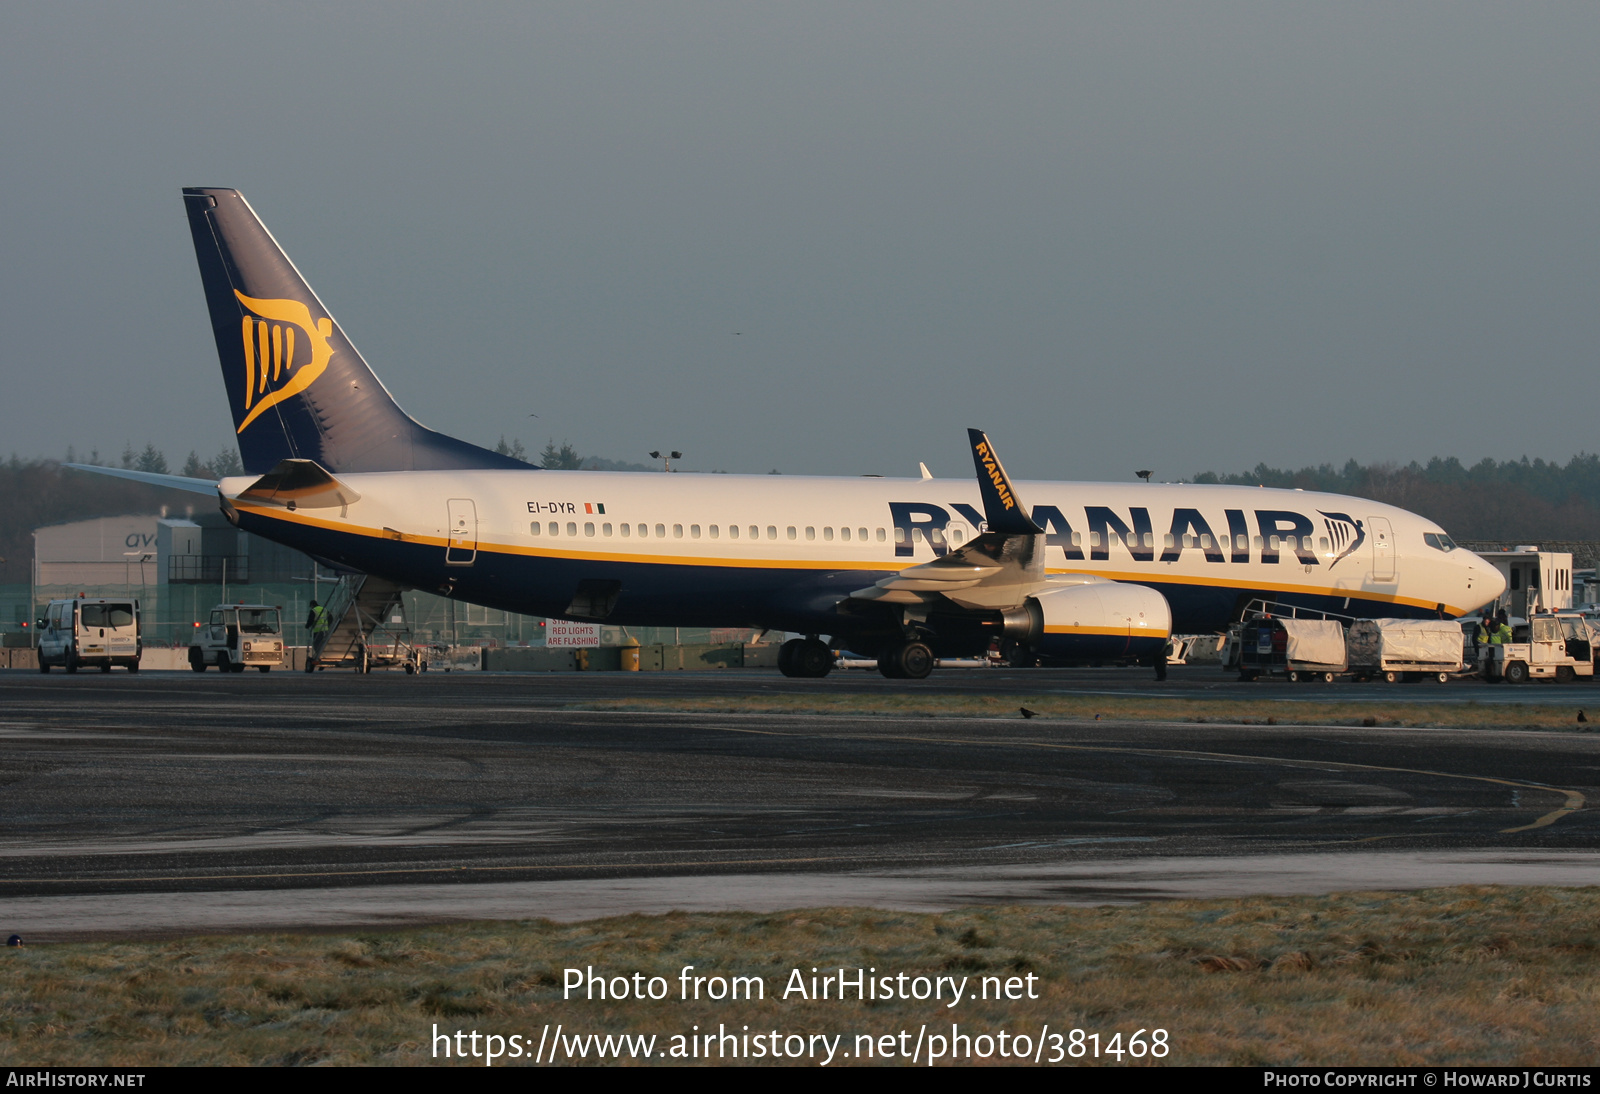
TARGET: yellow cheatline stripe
(1575,800)
(275,513)
(1119,632)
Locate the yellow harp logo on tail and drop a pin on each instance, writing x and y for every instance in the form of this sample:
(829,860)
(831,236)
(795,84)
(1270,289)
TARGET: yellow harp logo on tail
(269,338)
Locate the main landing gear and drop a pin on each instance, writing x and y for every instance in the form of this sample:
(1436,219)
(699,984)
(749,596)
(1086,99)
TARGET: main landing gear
(907,661)
(805,657)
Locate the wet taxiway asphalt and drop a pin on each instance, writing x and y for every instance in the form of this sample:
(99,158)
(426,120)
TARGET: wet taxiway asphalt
(309,791)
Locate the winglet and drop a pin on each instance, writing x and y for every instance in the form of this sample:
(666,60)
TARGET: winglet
(1002,509)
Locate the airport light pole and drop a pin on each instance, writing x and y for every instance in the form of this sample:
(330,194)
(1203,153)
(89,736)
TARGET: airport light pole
(666,461)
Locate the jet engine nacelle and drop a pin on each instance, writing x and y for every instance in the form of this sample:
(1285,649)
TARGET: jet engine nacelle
(1102,620)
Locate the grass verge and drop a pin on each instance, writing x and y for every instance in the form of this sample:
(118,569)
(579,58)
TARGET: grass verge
(1264,711)
(1449,976)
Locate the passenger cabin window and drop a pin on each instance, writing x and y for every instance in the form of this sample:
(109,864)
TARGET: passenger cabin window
(572,527)
(827,534)
(644,531)
(793,533)
(880,535)
(811,533)
(844,534)
(755,532)
(772,532)
(899,534)
(605,529)
(716,531)
(588,527)
(694,531)
(677,531)
(555,529)
(733,531)
(535,528)
(661,531)
(626,534)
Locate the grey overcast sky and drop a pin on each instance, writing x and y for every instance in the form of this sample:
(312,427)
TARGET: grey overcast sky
(1176,236)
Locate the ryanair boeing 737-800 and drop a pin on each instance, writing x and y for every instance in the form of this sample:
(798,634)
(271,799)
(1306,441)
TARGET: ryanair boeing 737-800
(906,570)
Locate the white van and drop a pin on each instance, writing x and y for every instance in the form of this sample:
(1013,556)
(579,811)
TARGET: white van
(101,632)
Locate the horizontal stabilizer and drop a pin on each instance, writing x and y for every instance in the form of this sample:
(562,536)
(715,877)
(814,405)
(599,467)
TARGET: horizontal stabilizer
(300,484)
(150,478)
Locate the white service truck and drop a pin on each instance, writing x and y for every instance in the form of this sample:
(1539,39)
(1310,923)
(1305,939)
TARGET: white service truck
(1555,645)
(239,637)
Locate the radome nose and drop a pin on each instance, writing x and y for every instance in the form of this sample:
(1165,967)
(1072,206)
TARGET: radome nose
(1488,583)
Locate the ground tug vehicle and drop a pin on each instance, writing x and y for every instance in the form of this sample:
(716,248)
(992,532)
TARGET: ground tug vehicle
(91,633)
(1550,645)
(239,637)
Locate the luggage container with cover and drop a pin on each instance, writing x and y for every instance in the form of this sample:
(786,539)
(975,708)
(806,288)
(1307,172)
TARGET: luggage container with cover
(1301,649)
(1405,649)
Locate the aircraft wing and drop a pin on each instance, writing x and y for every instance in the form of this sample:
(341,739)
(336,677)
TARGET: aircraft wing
(1000,568)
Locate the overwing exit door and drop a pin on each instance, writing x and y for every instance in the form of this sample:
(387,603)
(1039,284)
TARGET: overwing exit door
(462,547)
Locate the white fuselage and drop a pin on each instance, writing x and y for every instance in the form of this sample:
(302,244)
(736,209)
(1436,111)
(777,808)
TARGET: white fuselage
(678,542)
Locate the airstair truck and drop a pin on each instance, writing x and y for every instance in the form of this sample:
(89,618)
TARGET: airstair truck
(1551,645)
(239,637)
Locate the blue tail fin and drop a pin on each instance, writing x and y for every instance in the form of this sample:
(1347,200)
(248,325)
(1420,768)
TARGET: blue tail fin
(297,387)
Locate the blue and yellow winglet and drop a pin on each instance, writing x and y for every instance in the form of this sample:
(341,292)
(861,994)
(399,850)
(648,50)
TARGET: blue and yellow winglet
(1003,511)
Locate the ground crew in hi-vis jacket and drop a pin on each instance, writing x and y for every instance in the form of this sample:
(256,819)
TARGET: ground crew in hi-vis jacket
(317,623)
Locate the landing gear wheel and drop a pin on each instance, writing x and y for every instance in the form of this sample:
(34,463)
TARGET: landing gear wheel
(813,659)
(1516,673)
(1020,656)
(909,661)
(788,655)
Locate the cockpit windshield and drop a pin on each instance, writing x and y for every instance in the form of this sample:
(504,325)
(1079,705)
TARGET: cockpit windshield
(1439,541)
